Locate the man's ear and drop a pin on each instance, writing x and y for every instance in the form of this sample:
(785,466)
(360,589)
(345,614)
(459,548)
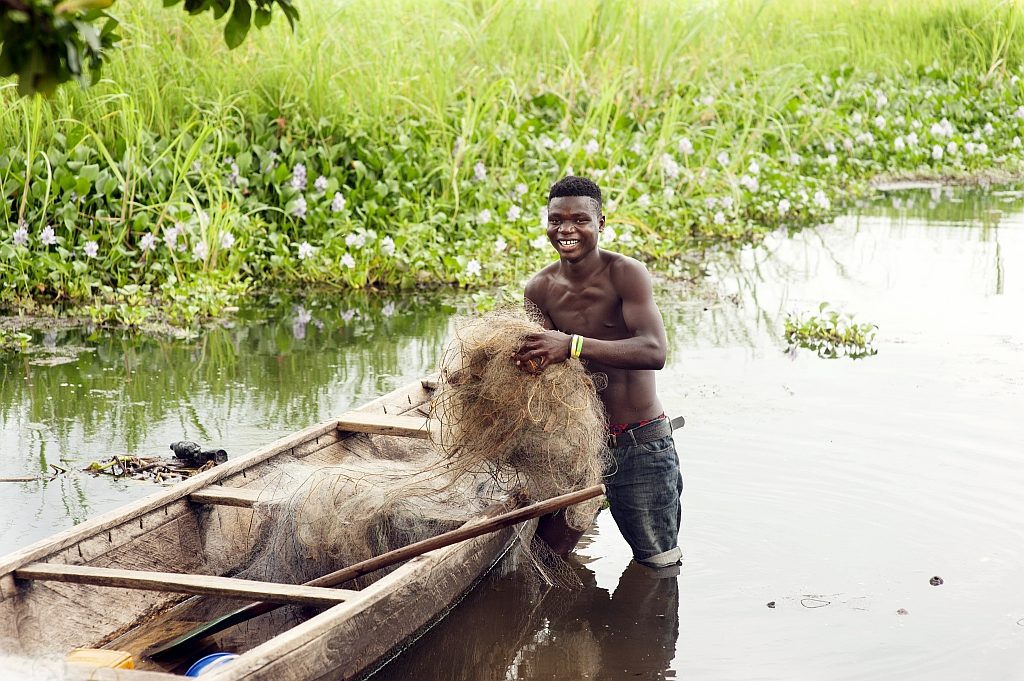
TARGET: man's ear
(600,224)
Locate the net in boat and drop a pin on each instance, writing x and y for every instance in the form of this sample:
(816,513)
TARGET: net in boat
(502,431)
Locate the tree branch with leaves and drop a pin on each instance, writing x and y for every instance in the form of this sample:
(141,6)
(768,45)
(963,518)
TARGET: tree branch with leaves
(45,43)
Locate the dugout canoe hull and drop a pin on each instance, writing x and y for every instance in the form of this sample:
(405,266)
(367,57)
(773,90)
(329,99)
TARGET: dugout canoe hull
(203,527)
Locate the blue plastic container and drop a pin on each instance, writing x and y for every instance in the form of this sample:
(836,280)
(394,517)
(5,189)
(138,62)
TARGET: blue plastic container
(209,663)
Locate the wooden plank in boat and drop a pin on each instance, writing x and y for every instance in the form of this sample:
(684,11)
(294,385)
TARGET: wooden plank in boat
(226,496)
(384,424)
(189,584)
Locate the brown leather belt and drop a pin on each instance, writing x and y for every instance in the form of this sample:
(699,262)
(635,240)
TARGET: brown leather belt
(655,430)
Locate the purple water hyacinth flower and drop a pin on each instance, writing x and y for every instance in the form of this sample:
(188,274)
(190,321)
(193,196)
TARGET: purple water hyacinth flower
(91,248)
(473,268)
(171,236)
(514,213)
(47,236)
(147,242)
(320,184)
(305,250)
(356,239)
(200,250)
(299,210)
(388,310)
(347,315)
(480,171)
(387,246)
(227,240)
(21,235)
(233,177)
(338,203)
(299,177)
(348,261)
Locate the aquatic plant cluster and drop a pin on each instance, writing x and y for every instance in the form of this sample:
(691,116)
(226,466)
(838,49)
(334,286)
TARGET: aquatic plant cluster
(110,199)
(831,334)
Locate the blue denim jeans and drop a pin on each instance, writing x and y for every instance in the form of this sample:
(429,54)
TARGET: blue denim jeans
(643,489)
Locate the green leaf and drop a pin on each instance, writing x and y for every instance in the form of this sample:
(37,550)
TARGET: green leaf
(262,17)
(238,25)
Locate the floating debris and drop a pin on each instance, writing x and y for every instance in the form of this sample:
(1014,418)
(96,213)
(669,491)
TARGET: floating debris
(935,581)
(902,611)
(189,459)
(771,604)
(814,602)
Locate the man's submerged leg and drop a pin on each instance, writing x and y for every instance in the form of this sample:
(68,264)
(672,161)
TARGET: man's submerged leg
(644,488)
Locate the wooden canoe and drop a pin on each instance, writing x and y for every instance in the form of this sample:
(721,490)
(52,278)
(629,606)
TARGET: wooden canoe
(186,538)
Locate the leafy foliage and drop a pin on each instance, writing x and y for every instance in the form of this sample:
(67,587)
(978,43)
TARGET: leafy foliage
(831,335)
(45,43)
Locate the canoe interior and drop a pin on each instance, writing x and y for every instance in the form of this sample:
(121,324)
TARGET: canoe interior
(168,532)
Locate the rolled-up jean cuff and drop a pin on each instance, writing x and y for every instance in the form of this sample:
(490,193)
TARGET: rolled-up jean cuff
(663,559)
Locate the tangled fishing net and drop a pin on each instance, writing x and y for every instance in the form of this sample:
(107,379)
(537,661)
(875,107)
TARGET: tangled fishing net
(502,431)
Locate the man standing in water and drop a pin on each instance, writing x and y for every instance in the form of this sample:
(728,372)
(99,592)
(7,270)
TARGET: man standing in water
(599,306)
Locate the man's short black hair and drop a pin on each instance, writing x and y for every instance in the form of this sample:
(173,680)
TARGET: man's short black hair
(576,186)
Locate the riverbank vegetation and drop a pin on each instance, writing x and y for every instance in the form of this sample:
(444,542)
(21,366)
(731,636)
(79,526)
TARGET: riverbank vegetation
(401,144)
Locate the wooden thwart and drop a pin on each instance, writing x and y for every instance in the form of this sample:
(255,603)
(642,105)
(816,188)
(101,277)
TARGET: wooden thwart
(226,496)
(383,424)
(188,584)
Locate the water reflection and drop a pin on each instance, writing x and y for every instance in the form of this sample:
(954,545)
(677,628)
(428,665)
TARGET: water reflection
(511,629)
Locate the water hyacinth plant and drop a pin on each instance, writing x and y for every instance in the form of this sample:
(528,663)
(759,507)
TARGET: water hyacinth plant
(419,149)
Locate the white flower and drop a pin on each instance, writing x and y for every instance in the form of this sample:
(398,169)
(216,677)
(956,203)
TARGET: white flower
(644,201)
(299,210)
(299,176)
(982,149)
(750,183)
(915,124)
(147,242)
(1016,142)
(951,148)
(880,122)
(338,203)
(832,159)
(171,236)
(830,146)
(521,189)
(539,242)
(722,158)
(847,145)
(484,216)
(320,184)
(669,166)
(547,142)
(710,202)
(21,236)
(719,218)
(500,245)
(669,193)
(473,268)
(47,236)
(898,143)
(726,202)
(388,309)
(387,245)
(754,168)
(943,129)
(609,235)
(912,139)
(305,250)
(685,146)
(794,159)
(514,213)
(348,261)
(988,129)
(564,144)
(227,240)
(784,206)
(969,148)
(348,314)
(856,118)
(866,138)
(821,201)
(200,251)
(91,248)
(707,100)
(899,120)
(480,171)
(1019,113)
(591,147)
(357,239)
(880,100)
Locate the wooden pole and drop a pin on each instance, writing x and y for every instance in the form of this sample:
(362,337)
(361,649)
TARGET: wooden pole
(467,531)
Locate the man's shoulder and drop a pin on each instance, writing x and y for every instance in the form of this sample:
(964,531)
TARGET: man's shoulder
(623,266)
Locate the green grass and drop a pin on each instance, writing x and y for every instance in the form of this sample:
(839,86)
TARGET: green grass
(395,102)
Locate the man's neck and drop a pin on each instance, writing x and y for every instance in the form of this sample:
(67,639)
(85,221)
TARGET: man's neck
(582,269)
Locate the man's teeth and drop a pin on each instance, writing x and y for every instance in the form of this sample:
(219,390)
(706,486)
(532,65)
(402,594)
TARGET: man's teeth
(570,242)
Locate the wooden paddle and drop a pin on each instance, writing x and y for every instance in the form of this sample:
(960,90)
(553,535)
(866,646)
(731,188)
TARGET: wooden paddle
(467,531)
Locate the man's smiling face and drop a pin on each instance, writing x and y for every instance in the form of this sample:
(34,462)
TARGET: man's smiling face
(574,223)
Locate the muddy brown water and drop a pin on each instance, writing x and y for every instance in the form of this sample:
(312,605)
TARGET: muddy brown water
(833,489)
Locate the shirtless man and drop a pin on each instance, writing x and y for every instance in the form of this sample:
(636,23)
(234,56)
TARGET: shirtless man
(606,300)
